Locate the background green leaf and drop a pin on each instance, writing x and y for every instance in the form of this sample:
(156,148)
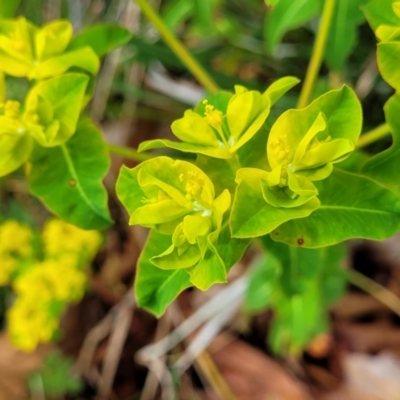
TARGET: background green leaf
(102,38)
(343,32)
(263,281)
(177,11)
(385,166)
(352,206)
(55,378)
(67,178)
(287,15)
(302,284)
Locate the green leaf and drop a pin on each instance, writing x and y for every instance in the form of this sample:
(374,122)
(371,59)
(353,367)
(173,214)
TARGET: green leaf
(380,12)
(55,378)
(309,281)
(226,251)
(67,178)
(221,172)
(388,62)
(285,16)
(102,38)
(230,250)
(354,163)
(156,288)
(208,271)
(278,88)
(343,32)
(251,214)
(60,99)
(252,153)
(352,206)
(271,3)
(385,166)
(176,12)
(203,11)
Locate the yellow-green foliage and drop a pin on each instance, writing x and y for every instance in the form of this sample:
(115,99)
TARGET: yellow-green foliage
(46,272)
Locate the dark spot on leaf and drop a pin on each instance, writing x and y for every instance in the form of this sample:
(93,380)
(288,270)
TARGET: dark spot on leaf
(300,241)
(72,183)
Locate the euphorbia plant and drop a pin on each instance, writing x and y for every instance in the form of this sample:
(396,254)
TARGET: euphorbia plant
(296,184)
(297,192)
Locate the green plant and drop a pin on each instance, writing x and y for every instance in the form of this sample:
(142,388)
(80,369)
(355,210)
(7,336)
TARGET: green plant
(296,184)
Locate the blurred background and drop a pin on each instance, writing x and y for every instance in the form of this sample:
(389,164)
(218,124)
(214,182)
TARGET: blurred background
(102,351)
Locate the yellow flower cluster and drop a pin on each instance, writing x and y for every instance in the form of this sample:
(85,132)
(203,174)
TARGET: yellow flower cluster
(45,285)
(15,244)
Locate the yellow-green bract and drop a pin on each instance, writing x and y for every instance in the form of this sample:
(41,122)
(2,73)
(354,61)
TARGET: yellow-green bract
(177,199)
(51,113)
(301,148)
(39,53)
(223,122)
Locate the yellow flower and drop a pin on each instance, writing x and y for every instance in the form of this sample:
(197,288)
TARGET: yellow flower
(7,266)
(16,238)
(52,280)
(30,323)
(59,237)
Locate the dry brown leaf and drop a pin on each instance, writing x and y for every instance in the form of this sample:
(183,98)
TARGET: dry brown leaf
(15,367)
(252,374)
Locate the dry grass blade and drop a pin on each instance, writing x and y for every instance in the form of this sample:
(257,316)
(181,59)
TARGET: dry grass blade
(116,343)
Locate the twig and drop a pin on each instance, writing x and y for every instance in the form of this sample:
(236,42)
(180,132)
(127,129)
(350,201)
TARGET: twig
(150,386)
(206,335)
(216,311)
(374,289)
(211,308)
(214,377)
(98,333)
(115,345)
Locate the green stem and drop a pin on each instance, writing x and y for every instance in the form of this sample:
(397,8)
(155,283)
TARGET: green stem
(178,48)
(234,163)
(318,53)
(129,153)
(374,135)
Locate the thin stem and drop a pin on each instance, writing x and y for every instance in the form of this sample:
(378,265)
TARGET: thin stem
(129,153)
(376,290)
(178,48)
(374,135)
(214,376)
(318,53)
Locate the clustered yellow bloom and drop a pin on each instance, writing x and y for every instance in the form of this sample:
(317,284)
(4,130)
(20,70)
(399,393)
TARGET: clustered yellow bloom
(15,244)
(43,286)
(60,237)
